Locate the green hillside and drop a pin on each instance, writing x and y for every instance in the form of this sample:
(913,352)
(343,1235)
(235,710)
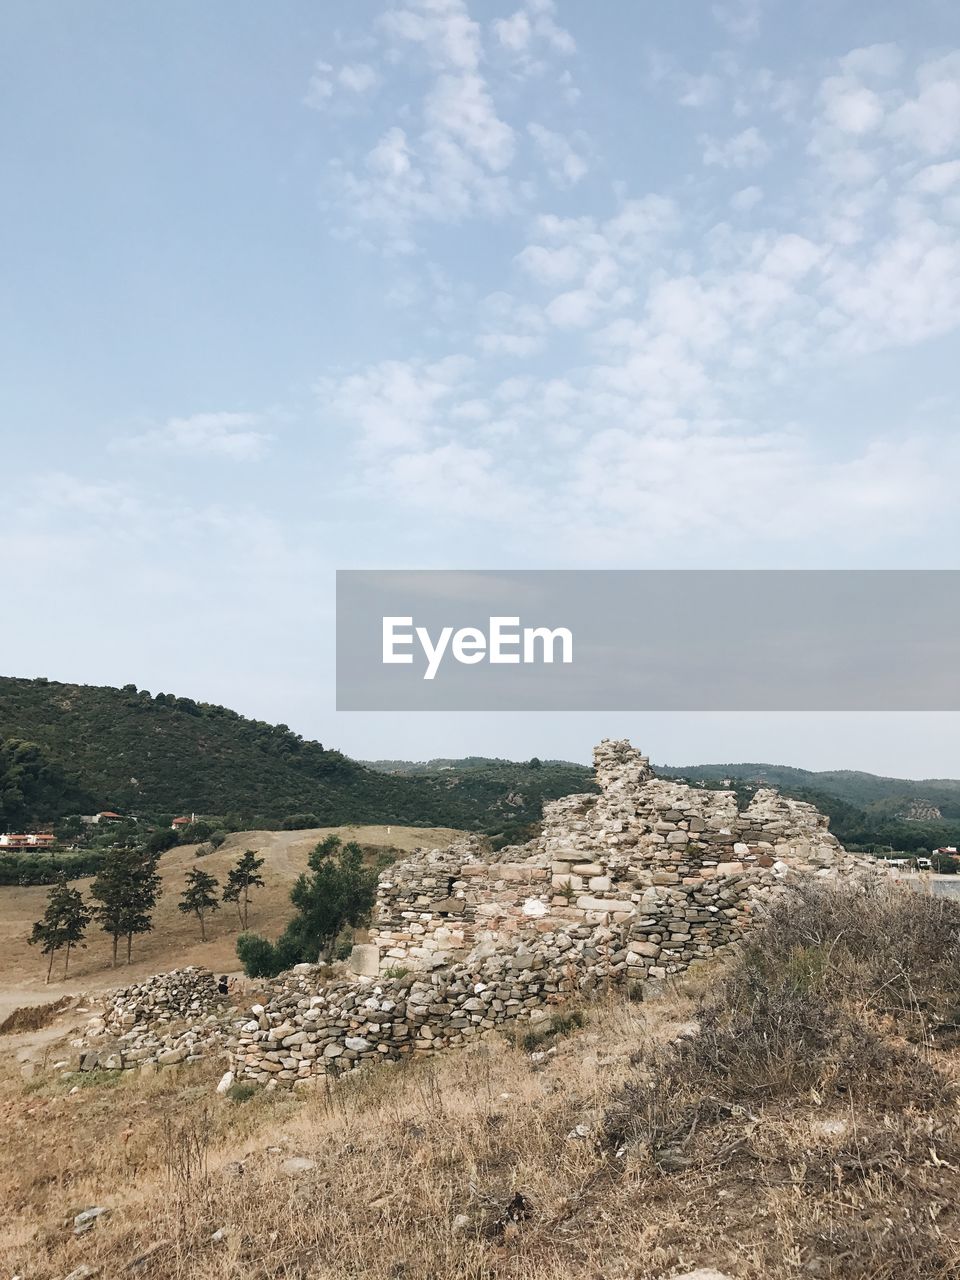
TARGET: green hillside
(866,811)
(66,748)
(144,754)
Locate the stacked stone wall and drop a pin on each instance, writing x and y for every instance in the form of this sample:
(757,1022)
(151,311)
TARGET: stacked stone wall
(633,885)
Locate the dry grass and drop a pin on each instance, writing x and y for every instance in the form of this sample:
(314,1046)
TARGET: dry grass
(810,1130)
(175,941)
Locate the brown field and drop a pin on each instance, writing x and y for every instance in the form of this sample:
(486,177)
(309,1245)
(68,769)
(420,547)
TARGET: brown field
(790,1113)
(175,940)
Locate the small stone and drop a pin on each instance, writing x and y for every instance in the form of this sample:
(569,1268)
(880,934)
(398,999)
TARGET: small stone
(581,1131)
(294,1166)
(702,1273)
(83,1272)
(86,1218)
(226,1082)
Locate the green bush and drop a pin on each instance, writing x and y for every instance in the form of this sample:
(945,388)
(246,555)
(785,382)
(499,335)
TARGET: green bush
(161,841)
(258,956)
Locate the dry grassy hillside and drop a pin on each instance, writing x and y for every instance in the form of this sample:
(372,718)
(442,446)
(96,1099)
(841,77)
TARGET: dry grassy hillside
(791,1116)
(175,940)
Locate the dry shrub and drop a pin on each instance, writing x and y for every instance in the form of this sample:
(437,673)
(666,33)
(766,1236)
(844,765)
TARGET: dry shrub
(809,1131)
(833,1006)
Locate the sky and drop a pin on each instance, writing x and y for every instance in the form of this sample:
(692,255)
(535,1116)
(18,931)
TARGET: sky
(449,284)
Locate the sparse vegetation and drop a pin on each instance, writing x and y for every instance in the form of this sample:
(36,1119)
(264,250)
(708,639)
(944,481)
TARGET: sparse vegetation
(127,889)
(241,878)
(791,1116)
(63,924)
(337,891)
(199,897)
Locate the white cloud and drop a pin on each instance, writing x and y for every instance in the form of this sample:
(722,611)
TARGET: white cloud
(358,77)
(532,25)
(450,155)
(550,266)
(396,404)
(745,150)
(461,109)
(510,327)
(851,107)
(739,18)
(514,33)
(936,179)
(746,199)
(443,28)
(212,435)
(660,338)
(565,166)
(575,309)
(931,120)
(878,61)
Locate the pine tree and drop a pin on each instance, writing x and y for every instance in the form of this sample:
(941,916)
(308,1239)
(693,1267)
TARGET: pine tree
(63,925)
(199,897)
(127,889)
(240,880)
(145,889)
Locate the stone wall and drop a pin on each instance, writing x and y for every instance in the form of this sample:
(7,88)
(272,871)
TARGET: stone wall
(632,885)
(672,866)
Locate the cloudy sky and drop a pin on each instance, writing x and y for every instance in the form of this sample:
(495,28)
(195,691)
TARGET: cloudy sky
(442,283)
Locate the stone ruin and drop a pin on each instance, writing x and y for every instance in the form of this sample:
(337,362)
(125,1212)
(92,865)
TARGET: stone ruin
(623,888)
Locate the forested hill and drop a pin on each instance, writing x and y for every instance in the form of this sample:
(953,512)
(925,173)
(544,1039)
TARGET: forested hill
(866,790)
(147,754)
(865,809)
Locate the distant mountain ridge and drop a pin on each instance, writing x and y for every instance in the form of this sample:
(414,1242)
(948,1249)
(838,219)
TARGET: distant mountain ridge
(158,754)
(867,790)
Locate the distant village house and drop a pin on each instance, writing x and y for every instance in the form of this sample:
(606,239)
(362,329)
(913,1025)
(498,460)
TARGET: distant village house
(35,840)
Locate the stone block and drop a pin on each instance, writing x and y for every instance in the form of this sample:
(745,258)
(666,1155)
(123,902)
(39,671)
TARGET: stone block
(364,959)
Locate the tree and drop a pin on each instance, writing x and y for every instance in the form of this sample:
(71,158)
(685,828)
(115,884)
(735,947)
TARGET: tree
(127,889)
(161,840)
(63,925)
(240,880)
(195,832)
(199,897)
(335,892)
(33,788)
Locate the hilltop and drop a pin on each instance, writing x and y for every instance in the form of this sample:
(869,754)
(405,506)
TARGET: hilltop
(175,940)
(159,754)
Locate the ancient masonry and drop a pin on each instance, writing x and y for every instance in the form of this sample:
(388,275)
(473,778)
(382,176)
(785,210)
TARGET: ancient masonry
(625,887)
